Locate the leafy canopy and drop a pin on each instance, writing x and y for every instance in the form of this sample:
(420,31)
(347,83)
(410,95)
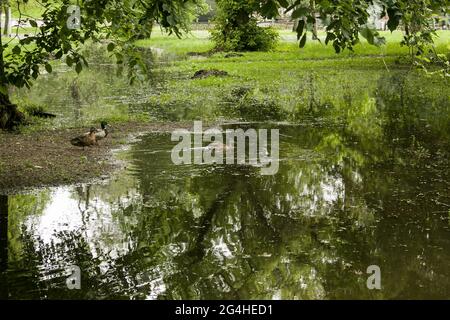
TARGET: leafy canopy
(346,20)
(117,22)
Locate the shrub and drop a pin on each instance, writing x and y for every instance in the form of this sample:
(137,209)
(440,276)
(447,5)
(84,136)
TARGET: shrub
(248,37)
(236,28)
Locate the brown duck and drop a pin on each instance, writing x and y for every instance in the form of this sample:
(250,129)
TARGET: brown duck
(86,140)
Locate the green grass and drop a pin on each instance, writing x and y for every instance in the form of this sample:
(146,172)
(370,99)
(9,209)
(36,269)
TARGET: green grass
(31,9)
(198,41)
(287,83)
(310,81)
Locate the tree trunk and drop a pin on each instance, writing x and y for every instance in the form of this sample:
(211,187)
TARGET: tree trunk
(313,9)
(7,27)
(10,116)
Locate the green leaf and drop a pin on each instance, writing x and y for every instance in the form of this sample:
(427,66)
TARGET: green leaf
(79,67)
(48,68)
(303,41)
(27,40)
(300,28)
(337,47)
(59,54)
(69,61)
(368,34)
(330,37)
(269,9)
(292,6)
(119,58)
(300,12)
(16,50)
(33,23)
(3,90)
(111,46)
(394,19)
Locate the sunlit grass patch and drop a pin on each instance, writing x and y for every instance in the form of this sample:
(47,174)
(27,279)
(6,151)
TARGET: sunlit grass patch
(31,8)
(301,82)
(196,41)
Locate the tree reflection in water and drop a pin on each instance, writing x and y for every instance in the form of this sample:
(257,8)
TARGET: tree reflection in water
(226,232)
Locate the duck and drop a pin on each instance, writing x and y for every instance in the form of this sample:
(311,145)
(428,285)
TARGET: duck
(85,140)
(102,133)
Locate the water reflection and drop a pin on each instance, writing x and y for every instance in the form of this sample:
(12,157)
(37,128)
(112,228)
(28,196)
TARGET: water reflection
(102,92)
(342,200)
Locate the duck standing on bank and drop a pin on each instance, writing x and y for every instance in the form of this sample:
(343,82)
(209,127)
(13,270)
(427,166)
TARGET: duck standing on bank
(86,140)
(103,133)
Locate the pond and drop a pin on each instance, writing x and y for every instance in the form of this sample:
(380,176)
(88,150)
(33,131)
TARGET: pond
(346,196)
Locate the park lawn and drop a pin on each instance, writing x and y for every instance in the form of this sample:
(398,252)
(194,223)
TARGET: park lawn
(31,9)
(198,41)
(287,81)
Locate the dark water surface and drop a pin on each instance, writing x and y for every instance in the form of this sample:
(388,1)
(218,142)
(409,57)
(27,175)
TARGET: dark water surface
(346,197)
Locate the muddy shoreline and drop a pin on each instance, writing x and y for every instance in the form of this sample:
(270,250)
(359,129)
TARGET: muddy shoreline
(46,158)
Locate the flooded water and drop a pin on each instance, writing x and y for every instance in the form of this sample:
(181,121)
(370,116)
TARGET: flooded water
(101,92)
(347,196)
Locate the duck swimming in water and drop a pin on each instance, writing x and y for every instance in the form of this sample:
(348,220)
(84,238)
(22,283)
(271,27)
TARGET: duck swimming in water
(86,140)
